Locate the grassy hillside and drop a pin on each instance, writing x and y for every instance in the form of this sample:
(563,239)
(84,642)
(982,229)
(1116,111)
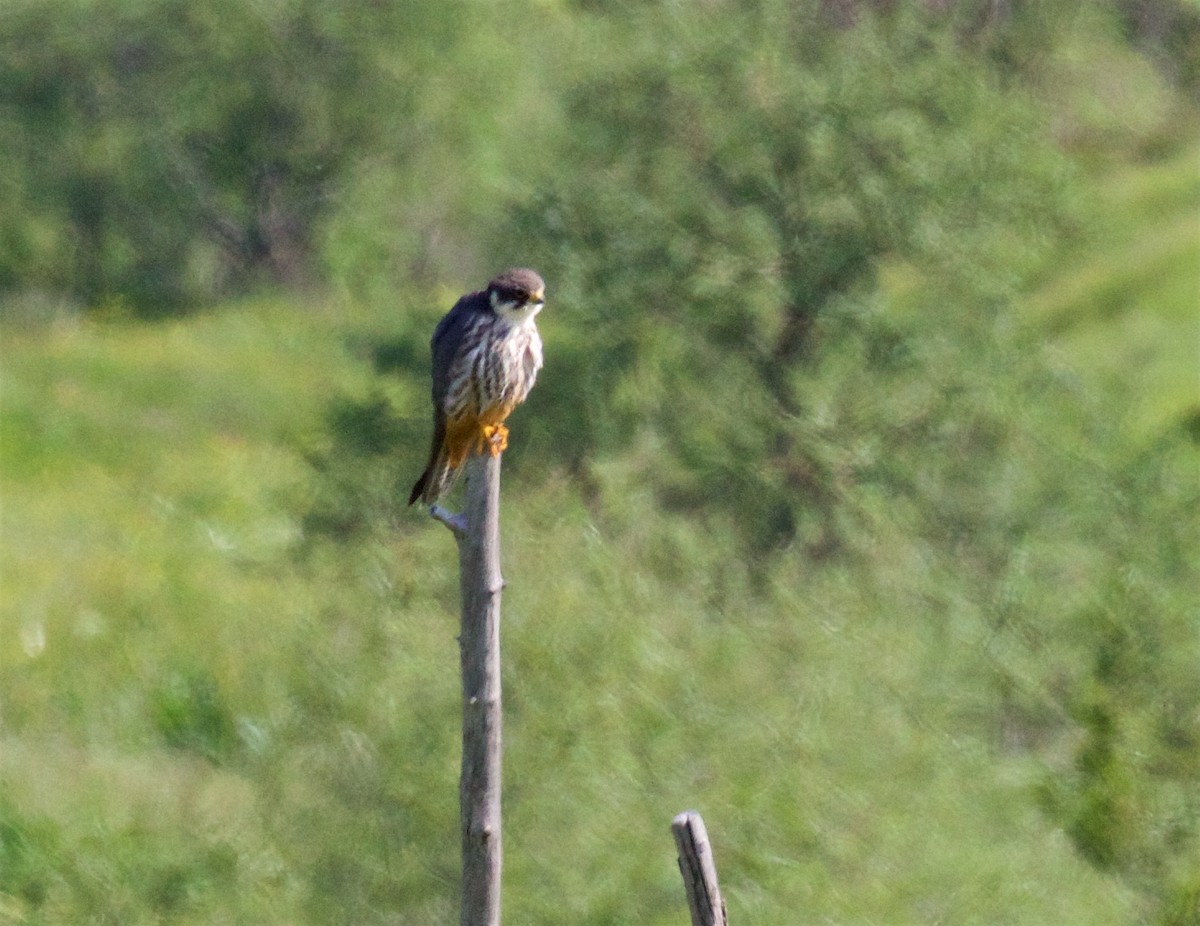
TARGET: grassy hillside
(215,710)
(205,724)
(1125,307)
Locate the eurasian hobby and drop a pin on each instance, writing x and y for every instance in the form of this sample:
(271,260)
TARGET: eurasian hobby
(486,356)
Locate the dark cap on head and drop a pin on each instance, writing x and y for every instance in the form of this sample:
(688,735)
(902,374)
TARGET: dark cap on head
(519,283)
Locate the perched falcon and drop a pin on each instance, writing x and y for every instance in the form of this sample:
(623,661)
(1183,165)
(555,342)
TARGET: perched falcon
(486,355)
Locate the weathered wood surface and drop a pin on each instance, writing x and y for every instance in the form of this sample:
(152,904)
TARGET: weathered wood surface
(477,531)
(699,871)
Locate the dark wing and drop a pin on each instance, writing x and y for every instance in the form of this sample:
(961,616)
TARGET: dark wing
(447,342)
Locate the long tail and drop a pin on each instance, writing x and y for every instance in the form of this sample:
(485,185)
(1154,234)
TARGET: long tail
(437,479)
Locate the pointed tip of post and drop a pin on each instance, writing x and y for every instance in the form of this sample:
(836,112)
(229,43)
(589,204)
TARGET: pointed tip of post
(705,902)
(689,820)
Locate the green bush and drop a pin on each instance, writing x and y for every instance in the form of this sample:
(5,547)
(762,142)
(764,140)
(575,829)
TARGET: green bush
(719,237)
(209,151)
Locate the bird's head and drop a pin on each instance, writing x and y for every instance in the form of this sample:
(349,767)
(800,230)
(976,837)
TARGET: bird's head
(517,295)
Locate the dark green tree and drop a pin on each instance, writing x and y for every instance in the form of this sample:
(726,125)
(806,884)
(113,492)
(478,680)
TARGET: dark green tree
(164,153)
(735,187)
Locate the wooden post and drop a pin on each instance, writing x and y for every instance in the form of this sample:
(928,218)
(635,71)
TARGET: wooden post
(477,531)
(699,871)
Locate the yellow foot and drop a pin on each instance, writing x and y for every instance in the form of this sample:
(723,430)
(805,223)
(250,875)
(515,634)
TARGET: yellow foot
(496,437)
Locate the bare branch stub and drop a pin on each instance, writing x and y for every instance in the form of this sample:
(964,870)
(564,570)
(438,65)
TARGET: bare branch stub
(455,523)
(699,871)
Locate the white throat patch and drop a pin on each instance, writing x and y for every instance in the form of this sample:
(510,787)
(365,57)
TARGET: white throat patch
(515,313)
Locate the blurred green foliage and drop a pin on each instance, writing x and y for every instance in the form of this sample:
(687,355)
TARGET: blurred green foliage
(856,505)
(739,200)
(159,154)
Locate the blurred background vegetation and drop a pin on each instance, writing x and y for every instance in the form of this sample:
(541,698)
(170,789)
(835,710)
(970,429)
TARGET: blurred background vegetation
(857,504)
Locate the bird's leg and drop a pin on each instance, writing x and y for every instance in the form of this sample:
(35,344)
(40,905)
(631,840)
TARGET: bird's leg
(496,437)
